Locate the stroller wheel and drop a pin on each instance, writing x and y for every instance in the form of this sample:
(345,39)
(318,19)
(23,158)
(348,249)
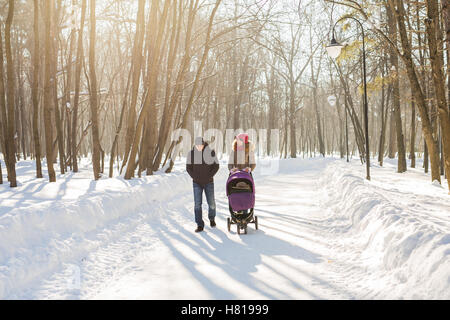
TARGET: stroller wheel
(256,222)
(238,229)
(245,229)
(229,224)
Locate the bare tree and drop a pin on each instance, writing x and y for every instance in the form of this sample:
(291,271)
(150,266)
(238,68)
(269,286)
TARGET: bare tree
(435,46)
(3,114)
(34,91)
(93,94)
(401,152)
(48,101)
(10,122)
(79,64)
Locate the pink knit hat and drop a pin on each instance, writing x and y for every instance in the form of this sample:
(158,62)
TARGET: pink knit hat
(243,137)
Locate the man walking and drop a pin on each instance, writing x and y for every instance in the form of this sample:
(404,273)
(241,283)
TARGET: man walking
(202,164)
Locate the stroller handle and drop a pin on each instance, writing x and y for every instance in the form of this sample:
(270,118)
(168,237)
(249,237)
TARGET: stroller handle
(239,170)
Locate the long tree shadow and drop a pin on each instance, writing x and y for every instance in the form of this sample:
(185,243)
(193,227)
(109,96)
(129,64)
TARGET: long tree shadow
(279,246)
(28,193)
(275,246)
(238,260)
(167,236)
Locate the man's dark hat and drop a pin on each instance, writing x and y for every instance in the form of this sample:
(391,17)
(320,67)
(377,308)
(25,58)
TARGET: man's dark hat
(199,141)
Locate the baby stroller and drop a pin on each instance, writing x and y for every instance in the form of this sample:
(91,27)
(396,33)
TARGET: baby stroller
(241,200)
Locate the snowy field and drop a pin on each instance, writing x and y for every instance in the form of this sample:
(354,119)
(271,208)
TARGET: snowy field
(325,233)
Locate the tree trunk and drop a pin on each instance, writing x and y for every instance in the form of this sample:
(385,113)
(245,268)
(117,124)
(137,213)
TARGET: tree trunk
(437,62)
(151,122)
(153,145)
(446,22)
(392,141)
(417,90)
(165,124)
(293,140)
(3,118)
(76,98)
(412,150)
(48,101)
(270,84)
(58,120)
(139,127)
(67,102)
(34,92)
(316,112)
(401,152)
(119,127)
(10,98)
(93,95)
(21,125)
(384,115)
(136,65)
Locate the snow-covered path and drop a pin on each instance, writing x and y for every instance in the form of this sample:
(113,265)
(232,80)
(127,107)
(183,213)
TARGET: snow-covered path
(162,258)
(281,260)
(324,233)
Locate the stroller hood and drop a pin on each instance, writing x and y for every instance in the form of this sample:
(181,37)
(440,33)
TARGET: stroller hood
(242,200)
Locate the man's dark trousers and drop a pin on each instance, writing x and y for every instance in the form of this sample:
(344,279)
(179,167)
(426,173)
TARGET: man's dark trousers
(198,197)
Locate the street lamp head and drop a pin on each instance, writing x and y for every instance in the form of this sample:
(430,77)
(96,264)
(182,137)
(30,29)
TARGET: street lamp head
(332,100)
(334,48)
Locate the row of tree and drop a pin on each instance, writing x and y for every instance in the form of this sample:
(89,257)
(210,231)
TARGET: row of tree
(112,80)
(415,39)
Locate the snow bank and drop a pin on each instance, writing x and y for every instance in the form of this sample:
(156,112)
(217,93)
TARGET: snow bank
(401,235)
(40,234)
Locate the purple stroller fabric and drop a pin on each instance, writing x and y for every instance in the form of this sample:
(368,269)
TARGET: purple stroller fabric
(241,200)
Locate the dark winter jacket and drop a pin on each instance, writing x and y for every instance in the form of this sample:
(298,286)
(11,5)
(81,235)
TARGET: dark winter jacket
(202,165)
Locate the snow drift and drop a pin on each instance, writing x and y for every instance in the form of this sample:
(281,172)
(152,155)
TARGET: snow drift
(400,234)
(36,239)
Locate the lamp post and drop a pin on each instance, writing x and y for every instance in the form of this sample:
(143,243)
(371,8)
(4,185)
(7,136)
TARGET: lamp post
(346,130)
(334,49)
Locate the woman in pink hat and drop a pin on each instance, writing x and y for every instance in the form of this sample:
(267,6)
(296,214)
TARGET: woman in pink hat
(242,155)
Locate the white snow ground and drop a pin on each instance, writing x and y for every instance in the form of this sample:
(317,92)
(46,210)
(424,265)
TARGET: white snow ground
(325,233)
